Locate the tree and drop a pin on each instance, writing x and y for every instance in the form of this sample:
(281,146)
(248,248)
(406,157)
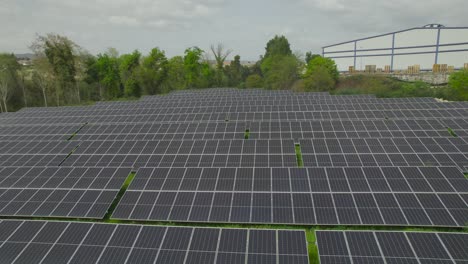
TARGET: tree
(61,54)
(319,80)
(220,54)
(109,77)
(327,63)
(280,72)
(235,72)
(176,76)
(153,72)
(192,65)
(458,83)
(43,76)
(254,81)
(278,46)
(8,78)
(309,56)
(129,65)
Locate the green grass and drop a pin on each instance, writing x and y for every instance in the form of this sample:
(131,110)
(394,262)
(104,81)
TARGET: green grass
(312,248)
(466,175)
(69,154)
(123,189)
(300,162)
(452,132)
(76,132)
(247,134)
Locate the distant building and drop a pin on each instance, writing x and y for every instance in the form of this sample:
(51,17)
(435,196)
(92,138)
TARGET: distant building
(422,47)
(24,59)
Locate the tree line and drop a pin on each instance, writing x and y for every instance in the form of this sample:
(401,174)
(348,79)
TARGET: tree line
(64,73)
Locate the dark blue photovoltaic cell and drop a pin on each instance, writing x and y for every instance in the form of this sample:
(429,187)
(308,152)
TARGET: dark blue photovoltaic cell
(391,247)
(63,242)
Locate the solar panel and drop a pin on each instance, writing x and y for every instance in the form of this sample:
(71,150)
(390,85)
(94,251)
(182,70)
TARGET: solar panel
(391,247)
(59,192)
(73,242)
(426,196)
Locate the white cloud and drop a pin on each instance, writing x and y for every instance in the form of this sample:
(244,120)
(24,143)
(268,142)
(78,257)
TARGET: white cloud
(124,21)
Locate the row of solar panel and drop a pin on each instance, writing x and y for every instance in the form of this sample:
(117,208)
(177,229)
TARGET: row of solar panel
(167,108)
(59,192)
(238,135)
(262,127)
(398,209)
(347,179)
(258,160)
(291,126)
(266,116)
(381,247)
(370,160)
(244,147)
(69,242)
(37,147)
(241,135)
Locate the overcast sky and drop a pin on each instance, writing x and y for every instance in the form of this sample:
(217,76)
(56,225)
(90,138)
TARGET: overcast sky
(242,25)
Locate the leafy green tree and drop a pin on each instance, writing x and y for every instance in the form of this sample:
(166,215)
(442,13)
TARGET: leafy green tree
(254,81)
(61,54)
(310,56)
(176,79)
(458,83)
(154,72)
(193,65)
(278,46)
(129,66)
(235,72)
(319,80)
(109,76)
(280,72)
(321,62)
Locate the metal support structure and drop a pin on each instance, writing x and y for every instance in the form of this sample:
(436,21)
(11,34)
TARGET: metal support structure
(393,52)
(355,44)
(437,47)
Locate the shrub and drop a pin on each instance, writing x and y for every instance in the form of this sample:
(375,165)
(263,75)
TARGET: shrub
(320,62)
(254,81)
(458,83)
(319,80)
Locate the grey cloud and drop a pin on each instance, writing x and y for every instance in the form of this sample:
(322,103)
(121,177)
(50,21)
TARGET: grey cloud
(242,25)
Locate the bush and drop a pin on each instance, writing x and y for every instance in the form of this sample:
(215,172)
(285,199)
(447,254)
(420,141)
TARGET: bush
(320,80)
(324,63)
(254,81)
(383,86)
(280,72)
(458,83)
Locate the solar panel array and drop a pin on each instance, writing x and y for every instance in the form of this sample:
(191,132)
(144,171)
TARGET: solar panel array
(73,242)
(391,247)
(232,156)
(326,196)
(59,191)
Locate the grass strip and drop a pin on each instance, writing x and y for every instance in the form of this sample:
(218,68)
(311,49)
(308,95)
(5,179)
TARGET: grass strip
(74,134)
(452,132)
(300,162)
(69,154)
(119,196)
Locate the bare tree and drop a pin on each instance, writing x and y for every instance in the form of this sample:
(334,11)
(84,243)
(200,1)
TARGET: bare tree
(21,75)
(41,81)
(220,54)
(42,76)
(4,92)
